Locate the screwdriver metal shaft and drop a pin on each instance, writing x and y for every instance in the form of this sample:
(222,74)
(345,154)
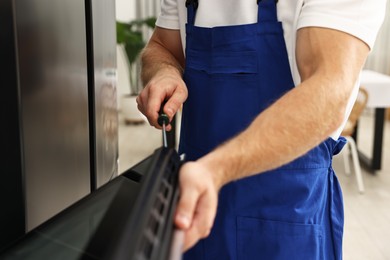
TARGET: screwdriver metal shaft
(164,134)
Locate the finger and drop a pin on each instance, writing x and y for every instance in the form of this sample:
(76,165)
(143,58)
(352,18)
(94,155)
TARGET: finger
(205,213)
(140,103)
(169,128)
(186,208)
(192,236)
(175,102)
(189,195)
(155,100)
(203,220)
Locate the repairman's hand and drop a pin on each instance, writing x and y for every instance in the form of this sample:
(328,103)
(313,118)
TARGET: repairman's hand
(166,85)
(197,205)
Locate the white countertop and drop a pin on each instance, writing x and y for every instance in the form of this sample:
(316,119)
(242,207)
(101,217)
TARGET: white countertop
(378,87)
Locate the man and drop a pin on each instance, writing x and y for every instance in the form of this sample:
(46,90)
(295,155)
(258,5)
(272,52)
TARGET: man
(264,105)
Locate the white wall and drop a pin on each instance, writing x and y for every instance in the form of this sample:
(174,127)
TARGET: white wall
(127,10)
(379,58)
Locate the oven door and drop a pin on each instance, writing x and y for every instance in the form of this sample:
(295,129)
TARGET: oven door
(131,217)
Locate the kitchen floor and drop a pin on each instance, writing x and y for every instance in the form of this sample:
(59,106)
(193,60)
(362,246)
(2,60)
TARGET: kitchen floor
(367,216)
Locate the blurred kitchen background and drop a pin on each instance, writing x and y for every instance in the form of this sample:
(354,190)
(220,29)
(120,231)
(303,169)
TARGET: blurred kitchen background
(68,126)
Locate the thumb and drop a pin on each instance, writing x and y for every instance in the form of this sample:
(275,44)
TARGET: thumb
(189,196)
(186,208)
(175,102)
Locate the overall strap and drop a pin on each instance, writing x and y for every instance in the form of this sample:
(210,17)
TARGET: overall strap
(267,11)
(192,6)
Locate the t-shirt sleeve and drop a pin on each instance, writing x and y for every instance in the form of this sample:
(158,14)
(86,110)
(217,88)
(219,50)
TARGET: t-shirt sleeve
(360,18)
(169,16)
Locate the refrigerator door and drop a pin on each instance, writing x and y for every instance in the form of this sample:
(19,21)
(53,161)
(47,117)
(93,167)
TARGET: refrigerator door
(103,90)
(12,213)
(52,67)
(59,129)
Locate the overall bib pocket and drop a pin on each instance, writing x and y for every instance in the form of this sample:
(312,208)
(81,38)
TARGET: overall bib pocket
(278,240)
(223,96)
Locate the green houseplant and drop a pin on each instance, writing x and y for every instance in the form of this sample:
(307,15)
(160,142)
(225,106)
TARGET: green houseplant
(130,36)
(131,40)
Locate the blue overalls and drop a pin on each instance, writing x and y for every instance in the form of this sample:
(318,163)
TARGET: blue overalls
(233,73)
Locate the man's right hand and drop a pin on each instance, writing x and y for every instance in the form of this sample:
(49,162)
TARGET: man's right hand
(197,205)
(162,67)
(166,85)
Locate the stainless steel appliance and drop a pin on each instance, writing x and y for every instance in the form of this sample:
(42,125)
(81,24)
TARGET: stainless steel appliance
(131,217)
(58,107)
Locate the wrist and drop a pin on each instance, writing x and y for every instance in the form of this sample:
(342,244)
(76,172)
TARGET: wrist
(160,70)
(174,69)
(216,168)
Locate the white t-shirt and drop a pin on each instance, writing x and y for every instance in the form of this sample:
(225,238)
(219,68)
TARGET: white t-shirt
(361,18)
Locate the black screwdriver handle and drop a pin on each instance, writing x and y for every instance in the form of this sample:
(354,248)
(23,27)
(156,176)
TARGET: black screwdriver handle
(163,118)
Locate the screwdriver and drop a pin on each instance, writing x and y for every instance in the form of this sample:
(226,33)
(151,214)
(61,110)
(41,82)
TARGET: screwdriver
(163,120)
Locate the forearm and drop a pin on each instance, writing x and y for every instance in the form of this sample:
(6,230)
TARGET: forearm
(329,63)
(289,128)
(162,69)
(155,59)
(163,51)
